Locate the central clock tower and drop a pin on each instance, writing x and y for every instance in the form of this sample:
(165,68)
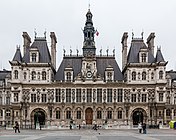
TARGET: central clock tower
(89,69)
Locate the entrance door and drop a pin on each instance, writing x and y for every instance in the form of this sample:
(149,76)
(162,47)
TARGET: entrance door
(137,117)
(89,116)
(39,117)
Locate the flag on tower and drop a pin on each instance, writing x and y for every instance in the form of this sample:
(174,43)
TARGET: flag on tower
(97,33)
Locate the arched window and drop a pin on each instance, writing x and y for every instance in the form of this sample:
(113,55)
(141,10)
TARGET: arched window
(43,75)
(33,75)
(161,74)
(143,57)
(134,75)
(16,74)
(143,75)
(68,76)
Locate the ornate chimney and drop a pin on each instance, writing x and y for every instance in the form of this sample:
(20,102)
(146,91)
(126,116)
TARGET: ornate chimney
(27,41)
(150,42)
(124,49)
(53,49)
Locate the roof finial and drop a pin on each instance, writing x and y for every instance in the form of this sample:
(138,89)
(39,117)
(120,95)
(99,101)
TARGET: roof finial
(142,34)
(89,4)
(132,34)
(45,33)
(35,33)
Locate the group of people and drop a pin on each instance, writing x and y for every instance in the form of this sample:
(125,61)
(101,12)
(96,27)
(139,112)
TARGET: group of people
(142,127)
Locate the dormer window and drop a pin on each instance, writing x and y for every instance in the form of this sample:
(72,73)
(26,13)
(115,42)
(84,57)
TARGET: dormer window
(16,74)
(143,57)
(109,76)
(68,77)
(34,55)
(68,74)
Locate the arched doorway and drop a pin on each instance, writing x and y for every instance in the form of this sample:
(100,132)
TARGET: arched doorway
(89,115)
(38,116)
(139,115)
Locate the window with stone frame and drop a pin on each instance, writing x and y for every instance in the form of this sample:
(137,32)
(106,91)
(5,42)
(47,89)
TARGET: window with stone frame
(119,114)
(133,98)
(58,114)
(1,113)
(68,114)
(109,114)
(15,97)
(25,75)
(89,95)
(7,100)
(44,99)
(152,76)
(168,112)
(160,74)
(78,114)
(99,95)
(143,57)
(58,95)
(160,97)
(43,75)
(68,76)
(144,75)
(38,75)
(8,113)
(109,95)
(78,95)
(33,75)
(68,95)
(119,95)
(160,113)
(133,75)
(34,57)
(99,114)
(109,76)
(175,112)
(16,74)
(0,100)
(144,97)
(168,100)
(33,98)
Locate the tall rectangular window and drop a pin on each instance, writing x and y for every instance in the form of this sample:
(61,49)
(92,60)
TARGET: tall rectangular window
(58,95)
(68,114)
(160,97)
(144,98)
(78,114)
(58,114)
(119,95)
(99,95)
(133,98)
(119,115)
(0,100)
(109,95)
(44,98)
(33,98)
(78,95)
(99,114)
(68,95)
(109,114)
(89,95)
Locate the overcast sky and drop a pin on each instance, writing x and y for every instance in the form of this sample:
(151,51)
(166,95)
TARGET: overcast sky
(67,17)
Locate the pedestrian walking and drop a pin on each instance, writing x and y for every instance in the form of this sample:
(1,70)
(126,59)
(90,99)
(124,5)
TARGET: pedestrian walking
(79,126)
(140,127)
(17,127)
(144,128)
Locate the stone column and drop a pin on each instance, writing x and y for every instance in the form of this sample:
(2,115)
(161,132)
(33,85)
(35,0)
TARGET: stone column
(172,114)
(164,115)
(3,117)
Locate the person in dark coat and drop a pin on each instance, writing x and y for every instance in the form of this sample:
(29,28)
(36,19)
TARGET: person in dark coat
(144,128)
(17,127)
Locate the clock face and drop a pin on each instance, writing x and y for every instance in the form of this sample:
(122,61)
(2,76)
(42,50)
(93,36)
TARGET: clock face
(89,74)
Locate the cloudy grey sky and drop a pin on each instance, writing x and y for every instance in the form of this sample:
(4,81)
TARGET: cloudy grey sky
(66,18)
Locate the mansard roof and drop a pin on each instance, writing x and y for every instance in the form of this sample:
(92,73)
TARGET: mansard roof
(172,74)
(4,73)
(40,44)
(76,64)
(136,45)
(159,56)
(17,56)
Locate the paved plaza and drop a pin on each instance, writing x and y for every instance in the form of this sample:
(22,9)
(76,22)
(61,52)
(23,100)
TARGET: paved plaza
(129,134)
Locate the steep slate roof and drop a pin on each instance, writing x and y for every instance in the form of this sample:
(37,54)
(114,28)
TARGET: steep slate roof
(133,55)
(3,74)
(17,56)
(76,64)
(172,74)
(159,56)
(44,54)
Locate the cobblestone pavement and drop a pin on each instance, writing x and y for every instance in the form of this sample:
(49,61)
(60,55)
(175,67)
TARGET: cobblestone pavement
(130,134)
